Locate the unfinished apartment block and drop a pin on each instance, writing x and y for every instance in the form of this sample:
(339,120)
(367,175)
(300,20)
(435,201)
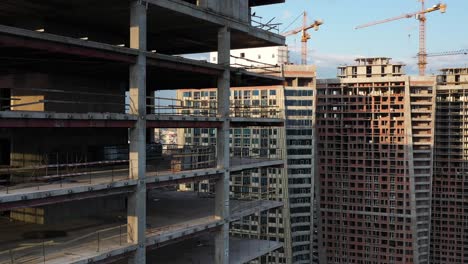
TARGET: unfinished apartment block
(449,236)
(81,178)
(375,139)
(371,67)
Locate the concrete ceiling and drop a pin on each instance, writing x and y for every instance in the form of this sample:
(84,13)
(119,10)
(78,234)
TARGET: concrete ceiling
(170,31)
(162,74)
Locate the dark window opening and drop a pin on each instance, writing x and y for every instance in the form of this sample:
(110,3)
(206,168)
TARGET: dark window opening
(5,151)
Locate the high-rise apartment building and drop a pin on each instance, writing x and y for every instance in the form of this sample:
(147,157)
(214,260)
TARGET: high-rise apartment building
(375,128)
(449,231)
(299,107)
(294,142)
(258,141)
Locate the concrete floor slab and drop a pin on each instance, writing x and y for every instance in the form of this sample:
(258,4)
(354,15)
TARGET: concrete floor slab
(171,215)
(108,182)
(200,250)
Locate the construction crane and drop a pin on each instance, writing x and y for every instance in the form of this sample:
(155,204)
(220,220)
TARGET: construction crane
(448,53)
(421,16)
(305,36)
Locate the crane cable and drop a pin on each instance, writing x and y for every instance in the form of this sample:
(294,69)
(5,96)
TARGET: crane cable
(290,24)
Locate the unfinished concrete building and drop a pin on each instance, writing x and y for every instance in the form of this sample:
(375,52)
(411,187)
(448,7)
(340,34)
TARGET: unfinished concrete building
(375,139)
(294,185)
(81,180)
(449,236)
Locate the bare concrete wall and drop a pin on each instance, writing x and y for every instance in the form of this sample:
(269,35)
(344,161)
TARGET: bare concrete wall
(238,10)
(63,93)
(20,96)
(29,147)
(105,208)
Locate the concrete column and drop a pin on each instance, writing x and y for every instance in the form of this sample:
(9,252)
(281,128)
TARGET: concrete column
(136,215)
(222,185)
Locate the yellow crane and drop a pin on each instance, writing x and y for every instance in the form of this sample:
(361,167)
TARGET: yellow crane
(421,16)
(305,36)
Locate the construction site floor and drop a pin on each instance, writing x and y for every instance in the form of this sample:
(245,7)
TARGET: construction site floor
(168,212)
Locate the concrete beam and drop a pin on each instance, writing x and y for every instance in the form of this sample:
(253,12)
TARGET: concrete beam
(183,121)
(29,119)
(65,116)
(46,196)
(51,123)
(219,20)
(246,164)
(183,176)
(16,37)
(13,119)
(182,64)
(245,122)
(264,2)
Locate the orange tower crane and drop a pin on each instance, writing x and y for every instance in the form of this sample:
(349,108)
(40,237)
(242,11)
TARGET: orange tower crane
(305,36)
(421,16)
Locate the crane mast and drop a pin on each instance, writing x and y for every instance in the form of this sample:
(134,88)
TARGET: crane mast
(305,36)
(422,55)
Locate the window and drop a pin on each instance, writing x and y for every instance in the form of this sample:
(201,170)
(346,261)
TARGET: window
(214,59)
(272,92)
(242,55)
(187,94)
(259,56)
(212,95)
(255,92)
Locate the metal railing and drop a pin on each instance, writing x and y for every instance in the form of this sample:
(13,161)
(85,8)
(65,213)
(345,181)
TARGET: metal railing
(244,156)
(256,21)
(161,160)
(186,107)
(255,66)
(58,176)
(177,158)
(204,107)
(41,252)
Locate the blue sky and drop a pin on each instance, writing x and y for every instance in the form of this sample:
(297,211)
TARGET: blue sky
(337,42)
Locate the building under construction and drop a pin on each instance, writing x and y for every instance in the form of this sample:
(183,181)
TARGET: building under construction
(375,128)
(449,236)
(294,185)
(81,179)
